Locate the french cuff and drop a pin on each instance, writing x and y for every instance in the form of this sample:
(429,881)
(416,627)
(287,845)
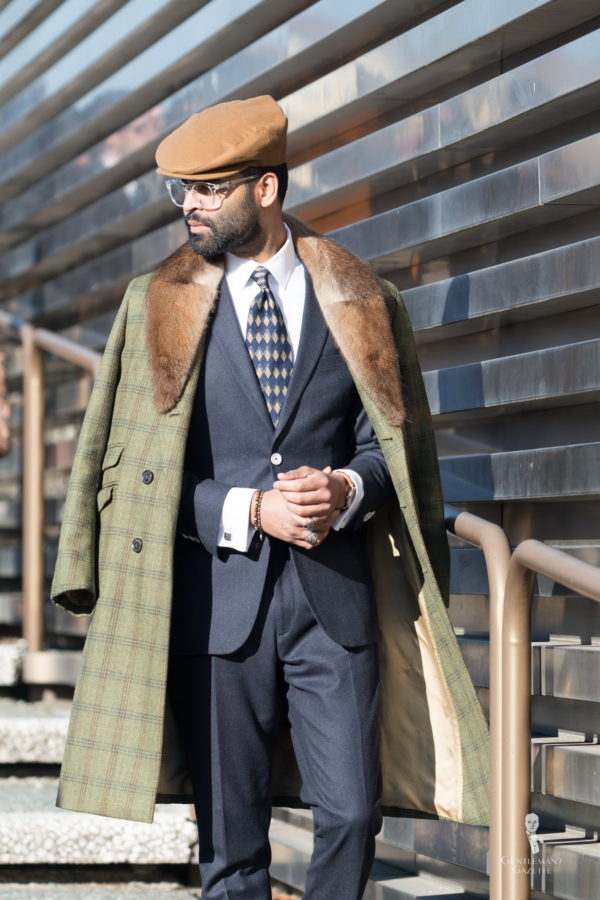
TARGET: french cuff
(235,532)
(347,515)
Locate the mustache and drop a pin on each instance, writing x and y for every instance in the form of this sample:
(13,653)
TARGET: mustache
(198,220)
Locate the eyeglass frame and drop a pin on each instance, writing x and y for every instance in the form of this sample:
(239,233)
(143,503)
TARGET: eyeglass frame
(215,188)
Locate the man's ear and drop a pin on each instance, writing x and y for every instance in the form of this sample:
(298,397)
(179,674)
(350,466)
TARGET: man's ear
(267,188)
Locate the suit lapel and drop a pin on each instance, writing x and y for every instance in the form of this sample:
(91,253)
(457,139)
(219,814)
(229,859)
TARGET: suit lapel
(227,334)
(312,339)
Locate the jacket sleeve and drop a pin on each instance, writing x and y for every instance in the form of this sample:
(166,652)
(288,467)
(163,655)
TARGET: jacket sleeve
(420,443)
(75,583)
(201,508)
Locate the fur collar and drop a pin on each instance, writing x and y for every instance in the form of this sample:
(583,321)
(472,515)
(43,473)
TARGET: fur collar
(183,294)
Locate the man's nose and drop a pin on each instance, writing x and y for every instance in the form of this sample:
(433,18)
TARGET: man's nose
(190,202)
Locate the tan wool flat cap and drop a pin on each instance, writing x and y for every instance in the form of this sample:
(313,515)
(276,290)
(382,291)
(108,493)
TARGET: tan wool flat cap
(225,139)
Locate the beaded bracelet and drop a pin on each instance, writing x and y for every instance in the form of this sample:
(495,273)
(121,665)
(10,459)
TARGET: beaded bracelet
(257,506)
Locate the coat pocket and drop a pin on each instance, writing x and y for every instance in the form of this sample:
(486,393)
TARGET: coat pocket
(103,497)
(110,462)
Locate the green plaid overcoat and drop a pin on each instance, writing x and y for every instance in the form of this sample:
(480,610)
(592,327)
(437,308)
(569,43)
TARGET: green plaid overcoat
(116,550)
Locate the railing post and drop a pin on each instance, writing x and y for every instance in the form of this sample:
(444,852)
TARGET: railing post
(516,728)
(496,550)
(34,341)
(529,557)
(33,491)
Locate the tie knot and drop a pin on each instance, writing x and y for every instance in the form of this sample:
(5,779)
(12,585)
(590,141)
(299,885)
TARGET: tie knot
(261,277)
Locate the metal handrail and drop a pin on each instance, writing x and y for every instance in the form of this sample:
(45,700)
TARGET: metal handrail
(529,558)
(496,551)
(54,343)
(35,341)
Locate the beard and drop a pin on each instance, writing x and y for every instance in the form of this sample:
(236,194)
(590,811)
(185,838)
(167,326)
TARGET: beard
(234,228)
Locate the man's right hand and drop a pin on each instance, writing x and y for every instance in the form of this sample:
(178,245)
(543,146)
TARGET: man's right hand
(279,522)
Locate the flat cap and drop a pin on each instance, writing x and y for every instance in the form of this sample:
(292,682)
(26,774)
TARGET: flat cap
(223,140)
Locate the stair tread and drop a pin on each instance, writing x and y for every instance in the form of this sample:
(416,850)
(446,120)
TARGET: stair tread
(33,732)
(23,709)
(33,831)
(11,655)
(292,846)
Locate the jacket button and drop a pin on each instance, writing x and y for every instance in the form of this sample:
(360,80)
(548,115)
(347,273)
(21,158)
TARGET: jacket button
(147,476)
(136,545)
(276,459)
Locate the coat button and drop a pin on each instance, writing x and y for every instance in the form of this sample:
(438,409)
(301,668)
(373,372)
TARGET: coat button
(276,459)
(147,476)
(136,545)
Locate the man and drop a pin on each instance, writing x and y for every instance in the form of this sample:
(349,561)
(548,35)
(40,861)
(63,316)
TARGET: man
(259,491)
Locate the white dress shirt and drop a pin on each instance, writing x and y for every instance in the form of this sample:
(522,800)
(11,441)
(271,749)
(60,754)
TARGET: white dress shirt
(287,280)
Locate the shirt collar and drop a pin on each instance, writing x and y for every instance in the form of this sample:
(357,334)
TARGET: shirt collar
(280,266)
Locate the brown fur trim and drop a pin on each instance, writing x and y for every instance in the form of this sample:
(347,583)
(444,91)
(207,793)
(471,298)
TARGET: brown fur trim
(183,294)
(352,302)
(181,297)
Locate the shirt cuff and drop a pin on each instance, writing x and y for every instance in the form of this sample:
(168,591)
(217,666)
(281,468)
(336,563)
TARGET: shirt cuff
(347,515)
(235,532)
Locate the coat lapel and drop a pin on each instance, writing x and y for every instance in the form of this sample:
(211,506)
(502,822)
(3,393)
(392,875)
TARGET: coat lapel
(312,338)
(179,307)
(182,296)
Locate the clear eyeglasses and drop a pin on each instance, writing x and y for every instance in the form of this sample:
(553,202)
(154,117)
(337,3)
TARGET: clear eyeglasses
(206,194)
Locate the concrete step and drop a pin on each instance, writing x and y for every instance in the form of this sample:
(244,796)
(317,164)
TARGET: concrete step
(33,732)
(34,832)
(11,658)
(51,667)
(567,865)
(564,766)
(292,846)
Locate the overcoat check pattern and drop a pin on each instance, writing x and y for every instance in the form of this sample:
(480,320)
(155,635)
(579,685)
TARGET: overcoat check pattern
(435,748)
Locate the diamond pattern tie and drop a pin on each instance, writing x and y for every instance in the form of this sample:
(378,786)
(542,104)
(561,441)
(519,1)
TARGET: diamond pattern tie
(268,345)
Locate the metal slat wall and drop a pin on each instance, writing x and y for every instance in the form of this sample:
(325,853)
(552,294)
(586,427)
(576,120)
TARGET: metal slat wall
(453,144)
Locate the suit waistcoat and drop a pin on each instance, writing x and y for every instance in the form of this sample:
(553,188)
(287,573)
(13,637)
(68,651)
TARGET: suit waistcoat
(231,441)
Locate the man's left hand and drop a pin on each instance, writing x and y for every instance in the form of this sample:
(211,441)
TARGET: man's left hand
(313,493)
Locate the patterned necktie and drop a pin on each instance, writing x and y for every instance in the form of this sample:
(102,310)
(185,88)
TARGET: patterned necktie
(268,345)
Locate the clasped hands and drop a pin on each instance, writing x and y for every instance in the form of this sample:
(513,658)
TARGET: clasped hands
(303,502)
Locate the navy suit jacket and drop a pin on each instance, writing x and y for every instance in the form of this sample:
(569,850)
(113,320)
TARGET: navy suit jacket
(231,442)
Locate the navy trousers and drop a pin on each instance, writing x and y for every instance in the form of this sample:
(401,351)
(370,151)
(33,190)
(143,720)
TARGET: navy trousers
(227,707)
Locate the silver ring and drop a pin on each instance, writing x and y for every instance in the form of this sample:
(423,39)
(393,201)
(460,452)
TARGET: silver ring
(310,525)
(311,537)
